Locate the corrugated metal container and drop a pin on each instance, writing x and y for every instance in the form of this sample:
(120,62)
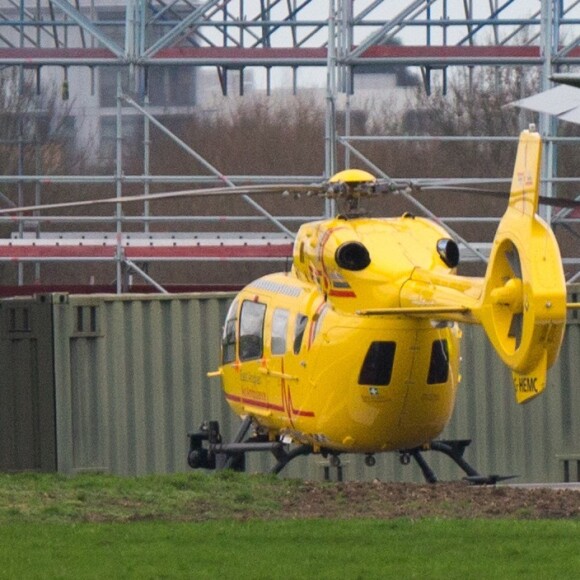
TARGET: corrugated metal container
(107,382)
(27,437)
(114,383)
(133,379)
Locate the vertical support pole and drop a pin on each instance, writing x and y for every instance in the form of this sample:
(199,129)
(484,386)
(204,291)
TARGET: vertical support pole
(471,43)
(146,122)
(347,128)
(330,118)
(37,147)
(493,7)
(146,157)
(347,84)
(549,38)
(445,18)
(119,184)
(268,81)
(242,17)
(20,141)
(20,171)
(37,185)
(130,29)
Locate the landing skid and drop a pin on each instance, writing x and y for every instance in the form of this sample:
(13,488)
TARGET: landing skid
(454,449)
(207,451)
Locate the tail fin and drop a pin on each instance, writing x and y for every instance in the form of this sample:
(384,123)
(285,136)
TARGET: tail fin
(523,307)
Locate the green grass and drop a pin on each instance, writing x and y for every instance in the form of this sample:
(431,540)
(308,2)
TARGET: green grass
(237,526)
(41,497)
(293,549)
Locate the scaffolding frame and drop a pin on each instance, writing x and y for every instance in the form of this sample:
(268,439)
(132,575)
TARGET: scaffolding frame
(237,35)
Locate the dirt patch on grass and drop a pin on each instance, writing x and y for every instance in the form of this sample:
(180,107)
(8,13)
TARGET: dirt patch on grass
(227,495)
(450,500)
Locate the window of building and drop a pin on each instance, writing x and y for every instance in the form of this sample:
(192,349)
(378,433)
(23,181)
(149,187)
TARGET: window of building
(108,85)
(131,128)
(439,364)
(252,317)
(377,367)
(279,330)
(168,85)
(171,85)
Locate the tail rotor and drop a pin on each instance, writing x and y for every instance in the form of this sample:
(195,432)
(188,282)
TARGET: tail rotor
(523,308)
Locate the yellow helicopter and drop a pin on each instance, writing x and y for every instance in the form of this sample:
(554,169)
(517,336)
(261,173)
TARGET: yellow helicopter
(357,348)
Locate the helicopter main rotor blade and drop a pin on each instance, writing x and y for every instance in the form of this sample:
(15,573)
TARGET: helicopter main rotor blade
(208,192)
(552,201)
(332,190)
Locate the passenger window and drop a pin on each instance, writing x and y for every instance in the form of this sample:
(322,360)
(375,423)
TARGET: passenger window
(251,330)
(279,330)
(439,364)
(229,335)
(301,322)
(377,367)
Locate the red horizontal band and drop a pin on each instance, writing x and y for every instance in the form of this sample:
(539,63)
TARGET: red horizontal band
(266,405)
(144,252)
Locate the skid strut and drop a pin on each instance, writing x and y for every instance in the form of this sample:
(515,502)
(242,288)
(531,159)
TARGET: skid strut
(207,451)
(453,448)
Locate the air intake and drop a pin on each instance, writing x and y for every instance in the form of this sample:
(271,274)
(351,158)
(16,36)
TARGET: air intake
(352,256)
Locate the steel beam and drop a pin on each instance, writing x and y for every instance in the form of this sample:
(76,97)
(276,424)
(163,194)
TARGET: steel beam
(88,26)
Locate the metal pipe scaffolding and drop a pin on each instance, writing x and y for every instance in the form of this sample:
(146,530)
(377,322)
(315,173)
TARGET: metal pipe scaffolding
(138,39)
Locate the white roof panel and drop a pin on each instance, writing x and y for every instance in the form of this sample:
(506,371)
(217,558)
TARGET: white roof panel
(554,101)
(572,116)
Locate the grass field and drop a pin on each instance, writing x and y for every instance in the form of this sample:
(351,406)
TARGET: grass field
(293,549)
(165,527)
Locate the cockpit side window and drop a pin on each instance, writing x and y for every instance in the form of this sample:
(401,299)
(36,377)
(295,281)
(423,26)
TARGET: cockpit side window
(377,367)
(230,334)
(299,328)
(279,331)
(252,316)
(318,319)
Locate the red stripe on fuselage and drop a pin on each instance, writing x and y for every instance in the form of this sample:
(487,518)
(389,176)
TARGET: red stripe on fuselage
(342,293)
(266,405)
